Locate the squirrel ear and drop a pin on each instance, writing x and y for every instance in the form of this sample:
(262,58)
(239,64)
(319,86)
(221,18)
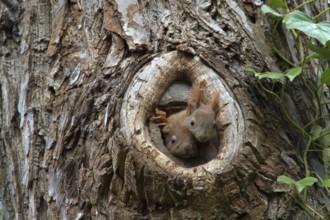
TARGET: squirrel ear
(160,118)
(194,98)
(216,103)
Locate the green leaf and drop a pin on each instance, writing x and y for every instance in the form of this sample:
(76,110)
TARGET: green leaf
(285,179)
(293,72)
(303,183)
(268,10)
(290,73)
(270,75)
(295,18)
(299,21)
(325,76)
(277,3)
(325,139)
(316,131)
(327,44)
(326,142)
(324,52)
(326,183)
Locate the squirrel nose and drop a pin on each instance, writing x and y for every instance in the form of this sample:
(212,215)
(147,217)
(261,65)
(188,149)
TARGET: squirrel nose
(203,138)
(188,147)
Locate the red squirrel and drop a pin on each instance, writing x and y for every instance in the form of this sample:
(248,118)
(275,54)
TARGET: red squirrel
(201,122)
(178,140)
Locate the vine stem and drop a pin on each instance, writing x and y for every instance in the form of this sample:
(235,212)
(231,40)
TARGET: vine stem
(321,136)
(269,91)
(300,50)
(288,117)
(321,13)
(303,4)
(307,172)
(305,155)
(280,99)
(275,26)
(315,97)
(283,57)
(309,57)
(315,120)
(307,208)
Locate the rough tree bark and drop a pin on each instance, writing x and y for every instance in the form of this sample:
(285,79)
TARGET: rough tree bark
(79,81)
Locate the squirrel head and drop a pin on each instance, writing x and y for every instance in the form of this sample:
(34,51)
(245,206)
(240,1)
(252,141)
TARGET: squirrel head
(201,123)
(179,141)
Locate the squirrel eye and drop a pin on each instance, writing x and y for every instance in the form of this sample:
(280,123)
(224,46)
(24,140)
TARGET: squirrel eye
(173,140)
(192,123)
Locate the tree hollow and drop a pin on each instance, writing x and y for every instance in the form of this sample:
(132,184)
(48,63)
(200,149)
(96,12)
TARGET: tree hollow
(145,92)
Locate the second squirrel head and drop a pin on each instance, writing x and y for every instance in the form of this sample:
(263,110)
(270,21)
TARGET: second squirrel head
(201,122)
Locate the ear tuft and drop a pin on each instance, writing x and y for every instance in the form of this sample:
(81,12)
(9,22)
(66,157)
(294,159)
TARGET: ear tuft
(160,118)
(194,98)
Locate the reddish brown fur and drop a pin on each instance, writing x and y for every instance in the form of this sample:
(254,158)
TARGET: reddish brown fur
(178,140)
(201,121)
(180,137)
(194,99)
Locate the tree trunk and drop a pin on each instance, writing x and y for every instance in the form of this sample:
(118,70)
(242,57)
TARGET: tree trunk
(80,81)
